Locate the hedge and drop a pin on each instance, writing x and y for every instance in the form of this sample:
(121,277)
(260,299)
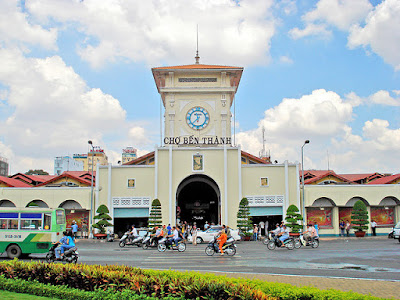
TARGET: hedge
(123,281)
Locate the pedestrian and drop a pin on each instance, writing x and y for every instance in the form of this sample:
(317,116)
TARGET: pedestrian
(255,232)
(84,230)
(194,234)
(373,227)
(262,228)
(74,228)
(342,227)
(206,226)
(348,226)
(316,228)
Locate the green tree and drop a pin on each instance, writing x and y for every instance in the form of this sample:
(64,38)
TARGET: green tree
(155,217)
(292,218)
(36,172)
(102,215)
(244,222)
(359,216)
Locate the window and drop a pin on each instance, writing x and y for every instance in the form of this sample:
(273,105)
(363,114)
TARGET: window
(131,183)
(264,181)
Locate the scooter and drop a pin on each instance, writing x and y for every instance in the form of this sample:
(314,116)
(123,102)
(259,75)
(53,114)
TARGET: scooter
(70,256)
(110,236)
(268,238)
(146,244)
(165,244)
(229,247)
(127,240)
(288,243)
(314,242)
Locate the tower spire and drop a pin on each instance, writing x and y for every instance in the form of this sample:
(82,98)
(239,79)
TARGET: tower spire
(197,57)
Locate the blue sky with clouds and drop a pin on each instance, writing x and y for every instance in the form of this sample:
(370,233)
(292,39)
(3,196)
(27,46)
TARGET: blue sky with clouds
(323,70)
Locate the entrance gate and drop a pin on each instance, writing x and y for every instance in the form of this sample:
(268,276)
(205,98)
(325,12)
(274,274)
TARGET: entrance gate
(198,200)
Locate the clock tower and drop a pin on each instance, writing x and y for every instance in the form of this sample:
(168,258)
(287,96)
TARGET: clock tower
(197,100)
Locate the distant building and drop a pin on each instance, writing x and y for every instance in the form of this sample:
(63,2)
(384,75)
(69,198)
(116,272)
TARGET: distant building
(3,166)
(128,154)
(66,163)
(97,156)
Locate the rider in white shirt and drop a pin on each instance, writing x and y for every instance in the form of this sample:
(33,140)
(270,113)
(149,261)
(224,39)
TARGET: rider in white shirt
(310,233)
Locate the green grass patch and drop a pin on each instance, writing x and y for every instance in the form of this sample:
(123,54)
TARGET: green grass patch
(6,295)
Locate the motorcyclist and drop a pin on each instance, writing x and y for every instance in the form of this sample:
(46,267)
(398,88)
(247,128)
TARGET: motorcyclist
(70,243)
(283,234)
(222,240)
(63,241)
(133,233)
(157,236)
(310,233)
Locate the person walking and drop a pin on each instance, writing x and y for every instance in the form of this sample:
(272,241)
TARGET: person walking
(342,227)
(255,232)
(194,234)
(84,230)
(373,227)
(348,226)
(74,228)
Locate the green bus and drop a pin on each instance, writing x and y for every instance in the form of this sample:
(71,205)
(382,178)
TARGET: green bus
(30,230)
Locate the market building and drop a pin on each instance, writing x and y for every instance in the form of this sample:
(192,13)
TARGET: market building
(198,172)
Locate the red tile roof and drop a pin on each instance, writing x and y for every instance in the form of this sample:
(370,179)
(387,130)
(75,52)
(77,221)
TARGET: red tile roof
(71,175)
(255,158)
(322,174)
(385,180)
(140,159)
(196,66)
(11,182)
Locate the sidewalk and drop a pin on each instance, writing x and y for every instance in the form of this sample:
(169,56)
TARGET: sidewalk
(378,288)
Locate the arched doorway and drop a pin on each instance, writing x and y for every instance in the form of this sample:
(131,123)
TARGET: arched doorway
(198,199)
(37,203)
(6,203)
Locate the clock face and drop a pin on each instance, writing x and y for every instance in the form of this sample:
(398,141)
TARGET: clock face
(197,118)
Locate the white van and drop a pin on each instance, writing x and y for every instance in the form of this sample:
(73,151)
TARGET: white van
(396,231)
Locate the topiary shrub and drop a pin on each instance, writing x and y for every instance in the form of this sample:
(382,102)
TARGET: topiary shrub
(102,215)
(359,216)
(155,217)
(292,218)
(244,222)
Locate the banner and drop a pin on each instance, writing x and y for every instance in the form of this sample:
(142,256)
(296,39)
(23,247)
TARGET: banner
(322,217)
(78,215)
(345,214)
(382,216)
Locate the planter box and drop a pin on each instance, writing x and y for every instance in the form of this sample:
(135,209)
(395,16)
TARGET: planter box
(246,238)
(100,235)
(359,233)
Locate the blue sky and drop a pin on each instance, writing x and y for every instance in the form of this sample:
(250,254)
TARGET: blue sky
(323,70)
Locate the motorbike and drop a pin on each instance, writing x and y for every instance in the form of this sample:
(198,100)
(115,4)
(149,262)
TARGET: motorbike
(275,242)
(70,255)
(391,233)
(110,236)
(128,240)
(314,242)
(268,238)
(146,242)
(229,247)
(165,244)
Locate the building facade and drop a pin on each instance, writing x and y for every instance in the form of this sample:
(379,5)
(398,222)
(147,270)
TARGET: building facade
(128,154)
(95,157)
(66,163)
(3,166)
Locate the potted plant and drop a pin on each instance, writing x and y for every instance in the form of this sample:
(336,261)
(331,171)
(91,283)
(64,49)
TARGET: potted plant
(292,219)
(359,218)
(103,217)
(155,218)
(244,221)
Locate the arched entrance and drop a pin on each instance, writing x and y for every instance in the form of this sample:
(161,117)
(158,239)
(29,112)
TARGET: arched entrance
(198,199)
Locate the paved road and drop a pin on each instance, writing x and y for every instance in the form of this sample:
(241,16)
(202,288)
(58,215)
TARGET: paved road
(377,258)
(369,265)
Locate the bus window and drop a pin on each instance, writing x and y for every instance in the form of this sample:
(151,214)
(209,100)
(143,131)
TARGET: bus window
(3,224)
(13,224)
(31,224)
(47,222)
(60,217)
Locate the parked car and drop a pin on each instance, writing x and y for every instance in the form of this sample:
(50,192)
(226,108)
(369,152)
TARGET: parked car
(207,235)
(396,231)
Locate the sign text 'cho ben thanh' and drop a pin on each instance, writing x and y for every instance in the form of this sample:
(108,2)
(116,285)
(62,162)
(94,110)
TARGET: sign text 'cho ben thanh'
(193,140)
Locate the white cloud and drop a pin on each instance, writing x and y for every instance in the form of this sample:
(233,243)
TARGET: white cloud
(384,98)
(54,112)
(17,29)
(338,13)
(285,60)
(381,32)
(323,117)
(155,31)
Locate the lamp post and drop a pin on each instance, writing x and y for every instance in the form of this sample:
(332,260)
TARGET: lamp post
(91,191)
(302,180)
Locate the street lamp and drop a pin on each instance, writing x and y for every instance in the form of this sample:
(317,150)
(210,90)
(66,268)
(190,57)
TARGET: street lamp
(91,190)
(302,179)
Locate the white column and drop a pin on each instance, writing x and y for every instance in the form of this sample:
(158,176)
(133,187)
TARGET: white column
(155,173)
(240,172)
(298,185)
(286,200)
(109,198)
(170,185)
(225,185)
